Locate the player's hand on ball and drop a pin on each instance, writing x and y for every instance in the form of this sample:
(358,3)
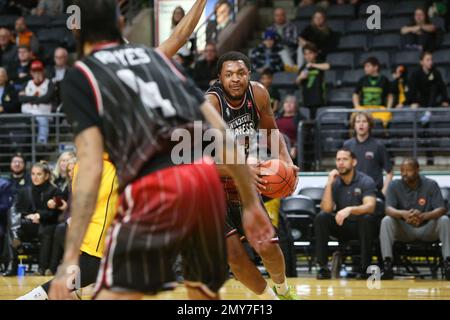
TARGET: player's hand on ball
(258,178)
(257,226)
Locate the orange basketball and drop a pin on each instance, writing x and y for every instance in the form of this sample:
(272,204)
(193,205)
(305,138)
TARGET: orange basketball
(281,180)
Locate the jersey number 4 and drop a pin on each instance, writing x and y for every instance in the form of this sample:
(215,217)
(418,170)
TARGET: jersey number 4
(148,91)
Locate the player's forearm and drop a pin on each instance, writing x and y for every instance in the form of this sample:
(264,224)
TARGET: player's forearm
(388,180)
(184,29)
(394,213)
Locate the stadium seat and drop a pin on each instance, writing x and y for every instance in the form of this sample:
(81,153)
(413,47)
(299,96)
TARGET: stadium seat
(407,58)
(394,24)
(305,13)
(358,26)
(446,41)
(440,124)
(384,6)
(52,35)
(351,77)
(444,74)
(382,56)
(341,96)
(7,21)
(331,78)
(402,126)
(301,24)
(386,41)
(59,21)
(341,11)
(441,57)
(332,126)
(37,22)
(406,8)
(439,22)
(315,193)
(341,60)
(284,79)
(357,42)
(305,112)
(338,26)
(300,211)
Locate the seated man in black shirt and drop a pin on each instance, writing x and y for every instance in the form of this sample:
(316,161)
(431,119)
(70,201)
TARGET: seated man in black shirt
(347,206)
(415,210)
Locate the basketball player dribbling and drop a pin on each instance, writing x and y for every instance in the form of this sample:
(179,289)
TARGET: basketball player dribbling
(129,99)
(245,107)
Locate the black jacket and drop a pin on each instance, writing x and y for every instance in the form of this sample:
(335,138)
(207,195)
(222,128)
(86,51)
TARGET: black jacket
(10,100)
(428,90)
(40,194)
(204,72)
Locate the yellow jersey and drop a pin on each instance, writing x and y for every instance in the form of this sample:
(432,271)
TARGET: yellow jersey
(105,211)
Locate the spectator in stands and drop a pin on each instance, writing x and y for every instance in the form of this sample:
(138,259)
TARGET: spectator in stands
(287,36)
(57,72)
(426,86)
(222,20)
(50,7)
(8,50)
(288,122)
(374,91)
(320,34)
(421,33)
(20,71)
(266,80)
(37,99)
(266,55)
(38,219)
(59,175)
(177,15)
(205,70)
(25,37)
(400,86)
(371,155)
(6,200)
(9,101)
(351,194)
(18,172)
(311,79)
(60,230)
(415,210)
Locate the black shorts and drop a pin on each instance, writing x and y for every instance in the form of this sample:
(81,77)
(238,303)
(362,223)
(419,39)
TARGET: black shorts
(89,266)
(233,219)
(176,210)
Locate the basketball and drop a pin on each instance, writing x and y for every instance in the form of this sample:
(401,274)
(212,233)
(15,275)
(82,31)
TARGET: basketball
(281,180)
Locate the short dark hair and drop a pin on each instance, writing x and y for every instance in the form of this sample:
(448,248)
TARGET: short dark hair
(345,149)
(99,22)
(19,155)
(411,161)
(233,56)
(373,61)
(267,72)
(311,47)
(425,53)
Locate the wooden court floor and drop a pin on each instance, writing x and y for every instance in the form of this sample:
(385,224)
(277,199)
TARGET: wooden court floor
(307,289)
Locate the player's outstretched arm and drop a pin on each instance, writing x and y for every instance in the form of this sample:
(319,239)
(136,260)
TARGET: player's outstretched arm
(183,30)
(89,144)
(258,228)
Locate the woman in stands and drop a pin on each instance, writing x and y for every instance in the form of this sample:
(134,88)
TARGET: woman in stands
(60,178)
(38,219)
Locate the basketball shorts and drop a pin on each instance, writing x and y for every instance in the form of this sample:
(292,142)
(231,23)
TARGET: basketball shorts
(233,220)
(176,210)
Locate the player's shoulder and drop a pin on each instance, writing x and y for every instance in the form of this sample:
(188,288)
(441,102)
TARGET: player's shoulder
(259,91)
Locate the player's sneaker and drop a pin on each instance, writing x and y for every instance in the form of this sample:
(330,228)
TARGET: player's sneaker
(291,294)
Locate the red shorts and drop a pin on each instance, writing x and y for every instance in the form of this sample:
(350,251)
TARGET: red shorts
(180,209)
